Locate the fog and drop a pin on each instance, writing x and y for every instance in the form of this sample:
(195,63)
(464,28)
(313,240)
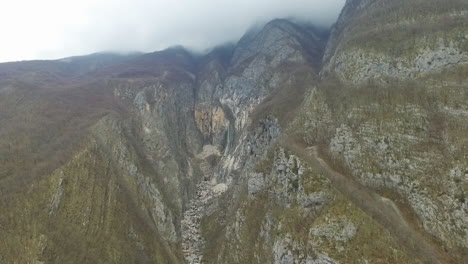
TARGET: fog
(51,29)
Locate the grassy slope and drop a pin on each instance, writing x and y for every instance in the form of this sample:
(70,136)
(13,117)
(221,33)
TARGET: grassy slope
(48,137)
(385,23)
(96,220)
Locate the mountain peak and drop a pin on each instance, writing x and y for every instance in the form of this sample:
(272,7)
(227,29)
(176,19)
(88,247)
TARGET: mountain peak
(277,35)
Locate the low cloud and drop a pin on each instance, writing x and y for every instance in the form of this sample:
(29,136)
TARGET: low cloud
(51,29)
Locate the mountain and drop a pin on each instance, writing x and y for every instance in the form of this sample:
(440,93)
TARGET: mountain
(295,145)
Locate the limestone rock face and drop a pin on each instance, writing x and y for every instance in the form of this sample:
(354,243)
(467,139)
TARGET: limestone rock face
(135,134)
(209,120)
(258,61)
(391,72)
(232,156)
(397,40)
(411,45)
(389,112)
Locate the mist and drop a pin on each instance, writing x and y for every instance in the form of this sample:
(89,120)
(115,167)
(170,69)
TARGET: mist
(52,29)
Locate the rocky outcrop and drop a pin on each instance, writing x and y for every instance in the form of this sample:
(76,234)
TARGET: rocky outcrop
(405,41)
(389,79)
(258,62)
(290,213)
(171,157)
(376,125)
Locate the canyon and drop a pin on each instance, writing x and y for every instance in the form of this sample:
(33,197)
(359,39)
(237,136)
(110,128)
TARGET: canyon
(296,145)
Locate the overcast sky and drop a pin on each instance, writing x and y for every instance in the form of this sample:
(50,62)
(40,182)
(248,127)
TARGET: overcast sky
(51,29)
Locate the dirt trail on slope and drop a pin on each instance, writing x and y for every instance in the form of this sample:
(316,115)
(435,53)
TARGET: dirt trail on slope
(381,209)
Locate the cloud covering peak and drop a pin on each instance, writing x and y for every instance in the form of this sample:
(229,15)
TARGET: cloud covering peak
(51,29)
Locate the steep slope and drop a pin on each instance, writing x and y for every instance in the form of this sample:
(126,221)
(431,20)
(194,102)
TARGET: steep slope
(76,165)
(279,208)
(397,39)
(391,110)
(169,157)
(94,152)
(64,196)
(389,113)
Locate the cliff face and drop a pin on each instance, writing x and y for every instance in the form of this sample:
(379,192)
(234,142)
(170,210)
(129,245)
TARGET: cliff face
(100,149)
(288,147)
(391,109)
(415,62)
(397,40)
(388,113)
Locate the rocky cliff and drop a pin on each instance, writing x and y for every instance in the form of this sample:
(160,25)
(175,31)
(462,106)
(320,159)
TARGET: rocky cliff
(387,115)
(292,146)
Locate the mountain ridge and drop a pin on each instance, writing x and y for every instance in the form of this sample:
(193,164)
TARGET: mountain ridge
(127,157)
